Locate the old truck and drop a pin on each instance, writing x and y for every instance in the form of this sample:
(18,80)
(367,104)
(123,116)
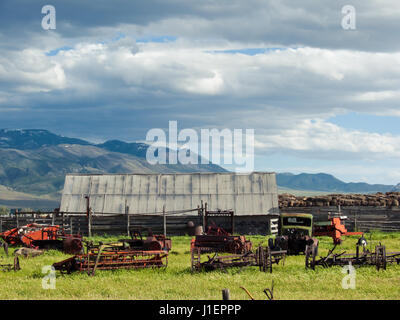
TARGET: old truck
(295,233)
(298,230)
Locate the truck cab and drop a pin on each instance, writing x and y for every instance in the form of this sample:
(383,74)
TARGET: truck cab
(299,223)
(295,233)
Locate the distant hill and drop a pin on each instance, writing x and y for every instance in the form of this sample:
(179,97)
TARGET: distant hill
(33,139)
(13,199)
(396,188)
(326,183)
(36,161)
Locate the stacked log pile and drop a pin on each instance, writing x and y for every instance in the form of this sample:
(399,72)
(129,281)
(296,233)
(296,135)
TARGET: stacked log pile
(388,199)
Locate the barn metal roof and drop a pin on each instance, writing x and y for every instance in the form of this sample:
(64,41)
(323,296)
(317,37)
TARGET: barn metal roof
(246,194)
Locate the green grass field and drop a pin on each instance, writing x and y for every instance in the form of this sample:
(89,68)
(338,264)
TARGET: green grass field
(291,281)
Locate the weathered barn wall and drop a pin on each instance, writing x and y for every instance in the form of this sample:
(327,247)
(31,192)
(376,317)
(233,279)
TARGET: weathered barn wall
(246,194)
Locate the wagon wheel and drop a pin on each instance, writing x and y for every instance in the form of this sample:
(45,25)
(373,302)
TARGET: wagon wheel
(192,260)
(380,257)
(384,259)
(5,246)
(258,260)
(270,261)
(308,256)
(261,258)
(377,258)
(235,246)
(311,254)
(166,262)
(195,259)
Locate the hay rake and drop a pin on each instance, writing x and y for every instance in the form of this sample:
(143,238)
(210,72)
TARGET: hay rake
(263,258)
(379,258)
(100,259)
(149,253)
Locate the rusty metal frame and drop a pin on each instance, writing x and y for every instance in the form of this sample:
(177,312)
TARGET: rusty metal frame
(263,258)
(8,267)
(220,213)
(379,258)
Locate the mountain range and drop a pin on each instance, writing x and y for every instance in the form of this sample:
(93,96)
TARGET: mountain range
(33,164)
(36,161)
(328,183)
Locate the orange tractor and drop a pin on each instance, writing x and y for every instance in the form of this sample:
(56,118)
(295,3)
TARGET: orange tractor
(39,236)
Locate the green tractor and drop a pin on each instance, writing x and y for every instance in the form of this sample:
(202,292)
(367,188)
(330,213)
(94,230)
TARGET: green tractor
(295,233)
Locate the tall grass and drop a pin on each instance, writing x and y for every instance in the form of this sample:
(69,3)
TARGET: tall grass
(291,281)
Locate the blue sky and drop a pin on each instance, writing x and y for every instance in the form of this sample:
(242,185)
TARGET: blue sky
(320,98)
(368,122)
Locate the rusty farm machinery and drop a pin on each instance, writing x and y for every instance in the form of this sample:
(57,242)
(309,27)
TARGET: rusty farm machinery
(333,228)
(11,267)
(223,250)
(133,253)
(38,236)
(362,257)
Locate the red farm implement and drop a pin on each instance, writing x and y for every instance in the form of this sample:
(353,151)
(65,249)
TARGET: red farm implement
(39,236)
(229,251)
(134,253)
(333,228)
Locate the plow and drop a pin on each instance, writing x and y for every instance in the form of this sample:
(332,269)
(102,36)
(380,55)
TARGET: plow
(134,253)
(378,258)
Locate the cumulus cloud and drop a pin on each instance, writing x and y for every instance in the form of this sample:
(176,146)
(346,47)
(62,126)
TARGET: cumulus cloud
(321,139)
(91,77)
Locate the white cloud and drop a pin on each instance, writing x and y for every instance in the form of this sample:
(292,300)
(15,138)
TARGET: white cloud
(321,139)
(320,71)
(31,71)
(292,86)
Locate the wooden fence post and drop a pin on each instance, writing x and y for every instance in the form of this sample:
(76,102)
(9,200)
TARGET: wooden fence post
(16,217)
(201,214)
(70,225)
(355,222)
(90,223)
(204,217)
(1,225)
(164,221)
(128,222)
(53,219)
(225,294)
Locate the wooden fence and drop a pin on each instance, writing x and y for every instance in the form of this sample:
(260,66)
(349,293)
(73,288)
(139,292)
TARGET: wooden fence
(95,224)
(122,224)
(176,223)
(358,218)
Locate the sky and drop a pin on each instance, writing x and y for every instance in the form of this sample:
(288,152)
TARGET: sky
(320,98)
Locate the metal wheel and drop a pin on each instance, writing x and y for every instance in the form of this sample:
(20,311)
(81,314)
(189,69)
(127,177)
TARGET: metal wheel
(311,253)
(270,261)
(260,258)
(380,257)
